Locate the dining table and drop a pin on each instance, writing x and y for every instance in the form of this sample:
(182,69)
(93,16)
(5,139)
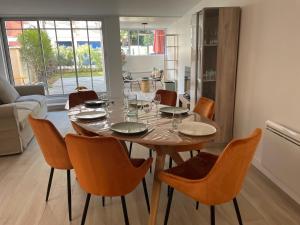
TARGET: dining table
(160,136)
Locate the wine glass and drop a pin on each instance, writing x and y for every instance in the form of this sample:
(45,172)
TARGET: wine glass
(147,107)
(157,100)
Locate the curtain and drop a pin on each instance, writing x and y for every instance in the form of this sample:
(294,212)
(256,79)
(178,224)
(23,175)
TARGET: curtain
(159,42)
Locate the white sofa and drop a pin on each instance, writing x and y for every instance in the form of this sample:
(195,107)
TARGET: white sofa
(16,103)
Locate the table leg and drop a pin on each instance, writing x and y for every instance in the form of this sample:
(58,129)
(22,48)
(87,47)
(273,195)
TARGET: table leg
(155,196)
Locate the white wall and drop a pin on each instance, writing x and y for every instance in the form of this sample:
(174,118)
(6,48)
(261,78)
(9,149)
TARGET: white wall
(143,63)
(112,55)
(268,78)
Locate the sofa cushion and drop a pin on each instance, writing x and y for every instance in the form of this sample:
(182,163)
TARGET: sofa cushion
(32,98)
(8,93)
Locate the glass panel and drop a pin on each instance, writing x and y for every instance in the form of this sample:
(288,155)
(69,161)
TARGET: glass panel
(66,60)
(13,25)
(62,24)
(29,24)
(78,24)
(46,24)
(83,58)
(124,38)
(97,61)
(94,24)
(53,69)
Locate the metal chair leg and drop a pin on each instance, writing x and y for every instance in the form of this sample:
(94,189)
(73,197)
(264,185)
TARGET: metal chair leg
(169,206)
(237,210)
(103,201)
(212,215)
(49,183)
(69,195)
(197,205)
(124,210)
(130,149)
(191,153)
(170,166)
(86,207)
(146,194)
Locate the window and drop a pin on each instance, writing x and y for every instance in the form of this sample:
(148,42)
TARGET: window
(138,42)
(61,54)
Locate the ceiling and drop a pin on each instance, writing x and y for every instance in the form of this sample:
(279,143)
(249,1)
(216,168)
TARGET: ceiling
(152,22)
(153,8)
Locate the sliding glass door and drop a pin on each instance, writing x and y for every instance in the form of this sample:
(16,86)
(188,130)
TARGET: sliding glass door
(61,54)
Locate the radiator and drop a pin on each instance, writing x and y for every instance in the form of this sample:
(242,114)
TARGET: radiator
(281,158)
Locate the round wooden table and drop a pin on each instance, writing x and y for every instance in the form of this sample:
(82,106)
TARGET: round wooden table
(162,139)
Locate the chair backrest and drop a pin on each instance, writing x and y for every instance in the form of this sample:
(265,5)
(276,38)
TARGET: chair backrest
(81,131)
(51,143)
(77,98)
(167,97)
(205,107)
(225,179)
(102,165)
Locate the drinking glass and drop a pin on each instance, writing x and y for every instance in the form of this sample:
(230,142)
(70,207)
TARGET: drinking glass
(157,100)
(147,107)
(132,105)
(176,120)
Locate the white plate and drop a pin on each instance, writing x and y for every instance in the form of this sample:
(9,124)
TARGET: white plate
(196,129)
(174,110)
(129,127)
(91,115)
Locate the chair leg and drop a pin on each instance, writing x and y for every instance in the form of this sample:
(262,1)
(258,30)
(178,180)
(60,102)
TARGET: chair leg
(69,195)
(192,155)
(169,206)
(103,201)
(212,215)
(130,149)
(150,156)
(146,194)
(49,183)
(86,207)
(170,162)
(237,210)
(124,210)
(197,205)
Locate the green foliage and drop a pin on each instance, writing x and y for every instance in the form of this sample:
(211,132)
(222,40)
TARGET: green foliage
(31,51)
(83,59)
(65,57)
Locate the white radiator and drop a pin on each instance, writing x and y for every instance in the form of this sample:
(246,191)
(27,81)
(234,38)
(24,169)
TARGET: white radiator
(281,158)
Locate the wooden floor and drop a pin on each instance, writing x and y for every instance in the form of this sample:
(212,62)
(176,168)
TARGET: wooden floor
(23,182)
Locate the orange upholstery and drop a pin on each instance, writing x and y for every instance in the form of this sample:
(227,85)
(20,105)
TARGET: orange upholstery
(51,142)
(167,97)
(205,107)
(217,183)
(77,98)
(103,167)
(81,131)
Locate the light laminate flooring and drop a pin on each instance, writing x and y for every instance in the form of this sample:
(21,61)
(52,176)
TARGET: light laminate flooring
(24,177)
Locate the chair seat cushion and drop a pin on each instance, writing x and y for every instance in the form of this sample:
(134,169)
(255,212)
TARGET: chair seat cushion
(137,162)
(195,168)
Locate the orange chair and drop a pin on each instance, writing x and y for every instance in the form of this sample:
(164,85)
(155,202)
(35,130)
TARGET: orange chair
(103,168)
(54,149)
(167,97)
(213,180)
(205,107)
(77,98)
(81,131)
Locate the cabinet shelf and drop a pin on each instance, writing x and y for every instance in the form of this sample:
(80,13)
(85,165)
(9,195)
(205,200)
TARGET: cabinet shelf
(210,45)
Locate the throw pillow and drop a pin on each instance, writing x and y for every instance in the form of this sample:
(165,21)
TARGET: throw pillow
(8,94)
